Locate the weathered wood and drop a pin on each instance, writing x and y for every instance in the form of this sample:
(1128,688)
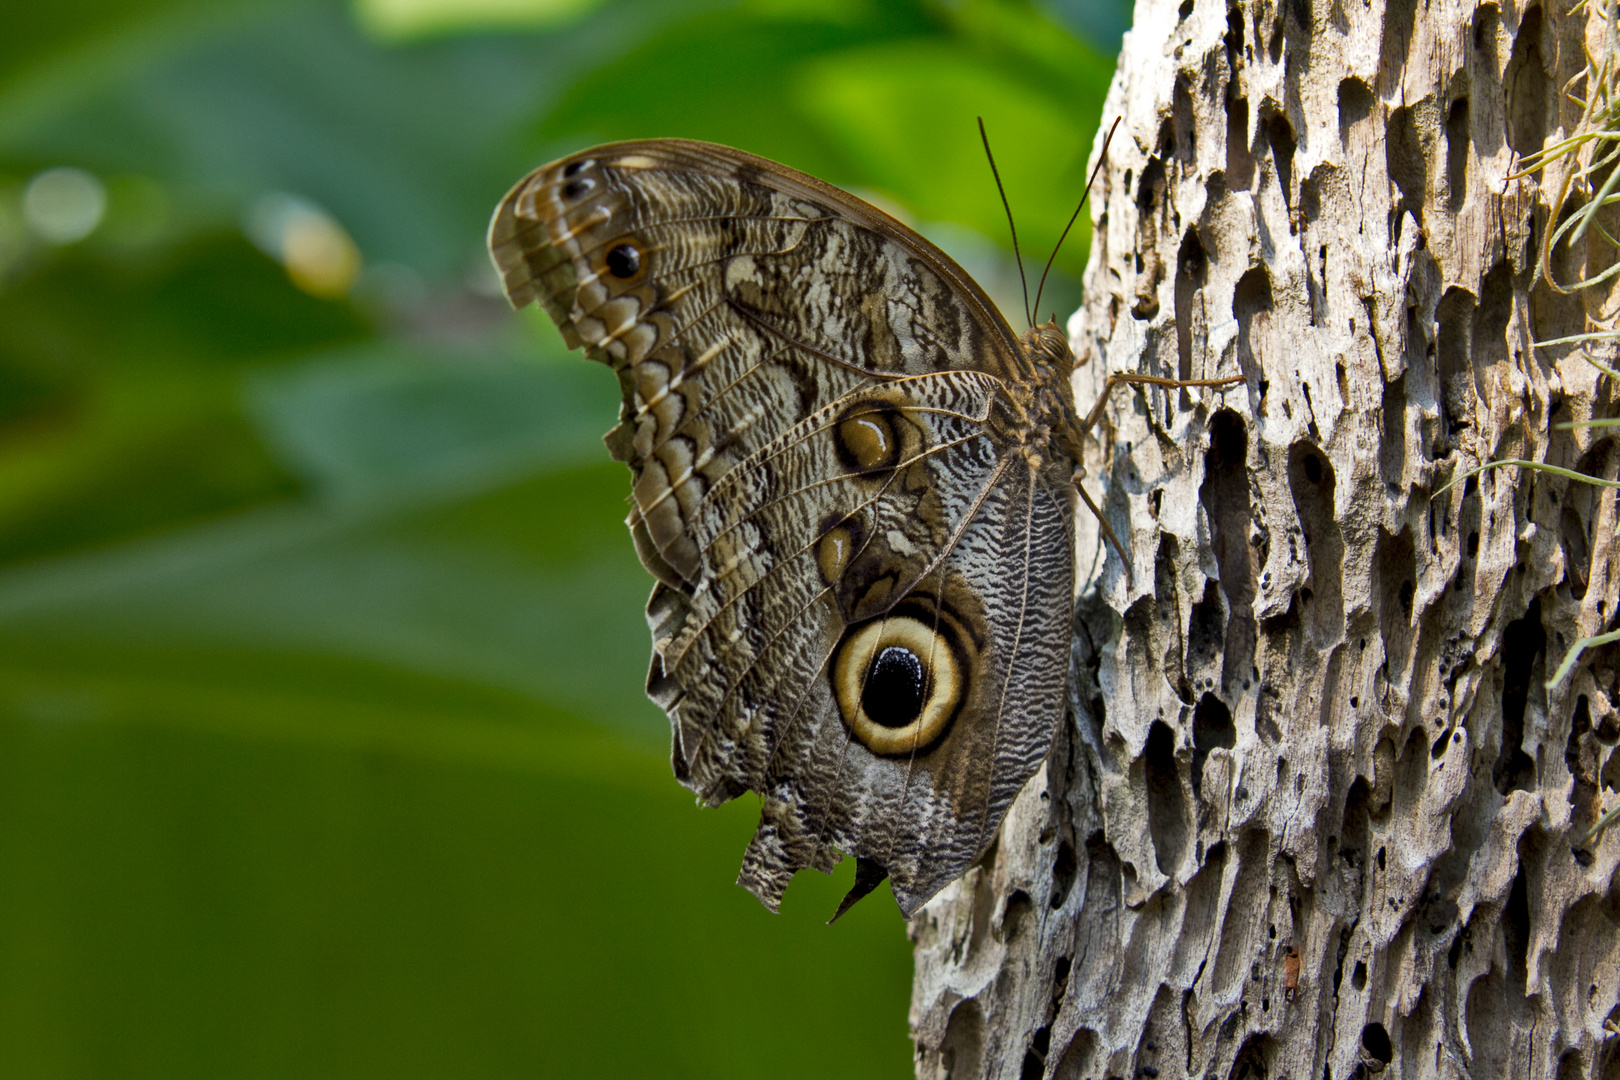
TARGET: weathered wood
(1316,814)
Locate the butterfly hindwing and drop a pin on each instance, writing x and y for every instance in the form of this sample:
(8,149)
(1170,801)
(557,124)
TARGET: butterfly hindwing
(998,605)
(802,538)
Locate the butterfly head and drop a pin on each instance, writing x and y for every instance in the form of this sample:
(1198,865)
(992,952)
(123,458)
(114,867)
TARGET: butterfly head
(1048,347)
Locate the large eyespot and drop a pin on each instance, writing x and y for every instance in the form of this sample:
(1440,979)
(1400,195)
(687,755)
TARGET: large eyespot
(898,682)
(624,261)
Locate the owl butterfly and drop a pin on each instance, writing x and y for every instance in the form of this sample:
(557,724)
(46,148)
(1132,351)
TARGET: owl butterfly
(854,483)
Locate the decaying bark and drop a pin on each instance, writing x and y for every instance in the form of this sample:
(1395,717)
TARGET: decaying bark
(1316,814)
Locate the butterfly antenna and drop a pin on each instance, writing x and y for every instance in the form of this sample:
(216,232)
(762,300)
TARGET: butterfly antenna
(1011,228)
(1102,157)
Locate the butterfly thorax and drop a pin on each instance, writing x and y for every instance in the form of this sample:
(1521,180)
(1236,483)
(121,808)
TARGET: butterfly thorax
(1047,426)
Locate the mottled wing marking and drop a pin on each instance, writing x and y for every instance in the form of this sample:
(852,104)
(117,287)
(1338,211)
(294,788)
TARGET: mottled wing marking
(766,545)
(735,273)
(809,391)
(925,820)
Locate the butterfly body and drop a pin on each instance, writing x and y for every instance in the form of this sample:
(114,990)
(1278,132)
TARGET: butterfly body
(852,482)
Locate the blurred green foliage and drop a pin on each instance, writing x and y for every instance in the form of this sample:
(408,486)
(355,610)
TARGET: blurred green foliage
(322,744)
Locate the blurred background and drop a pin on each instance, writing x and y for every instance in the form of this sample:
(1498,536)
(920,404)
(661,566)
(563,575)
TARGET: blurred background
(323,750)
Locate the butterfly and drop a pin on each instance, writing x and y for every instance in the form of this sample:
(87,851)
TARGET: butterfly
(853,482)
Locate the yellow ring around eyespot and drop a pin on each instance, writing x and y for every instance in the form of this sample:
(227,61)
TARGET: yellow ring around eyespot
(939,662)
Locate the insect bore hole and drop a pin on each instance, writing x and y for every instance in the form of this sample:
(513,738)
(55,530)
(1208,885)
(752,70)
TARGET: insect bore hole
(895,688)
(623,261)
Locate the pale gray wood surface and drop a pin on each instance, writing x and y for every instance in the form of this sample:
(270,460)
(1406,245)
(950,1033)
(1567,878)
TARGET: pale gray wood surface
(1314,813)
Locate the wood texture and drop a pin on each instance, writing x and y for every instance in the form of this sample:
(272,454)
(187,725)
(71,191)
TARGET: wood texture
(1316,814)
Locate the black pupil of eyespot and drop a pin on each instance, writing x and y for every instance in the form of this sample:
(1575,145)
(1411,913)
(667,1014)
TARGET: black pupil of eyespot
(573,169)
(893,696)
(623,261)
(575,188)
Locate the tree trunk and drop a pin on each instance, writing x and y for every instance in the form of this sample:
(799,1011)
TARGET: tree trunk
(1317,814)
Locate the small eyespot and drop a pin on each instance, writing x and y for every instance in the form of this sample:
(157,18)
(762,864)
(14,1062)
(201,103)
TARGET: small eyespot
(574,168)
(835,549)
(624,261)
(576,188)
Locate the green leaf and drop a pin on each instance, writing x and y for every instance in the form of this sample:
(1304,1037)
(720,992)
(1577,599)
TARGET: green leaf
(323,746)
(387,877)
(135,422)
(922,145)
(408,20)
(719,78)
(315,791)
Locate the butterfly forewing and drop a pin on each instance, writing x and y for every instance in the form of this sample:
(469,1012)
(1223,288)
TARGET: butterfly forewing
(864,579)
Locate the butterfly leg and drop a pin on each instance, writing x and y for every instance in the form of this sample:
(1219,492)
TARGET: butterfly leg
(1125,378)
(1108,530)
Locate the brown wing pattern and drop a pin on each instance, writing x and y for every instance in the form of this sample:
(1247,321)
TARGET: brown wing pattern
(811,394)
(1000,599)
